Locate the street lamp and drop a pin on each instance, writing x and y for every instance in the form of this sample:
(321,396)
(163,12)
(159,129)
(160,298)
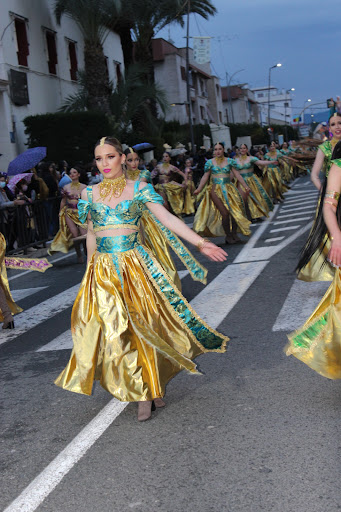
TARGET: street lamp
(288,91)
(305,107)
(272,67)
(229,98)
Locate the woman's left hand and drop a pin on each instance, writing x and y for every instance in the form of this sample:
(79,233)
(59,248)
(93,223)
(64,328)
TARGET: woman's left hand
(334,256)
(213,252)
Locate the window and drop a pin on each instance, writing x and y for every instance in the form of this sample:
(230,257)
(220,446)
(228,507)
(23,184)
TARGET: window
(73,60)
(202,112)
(51,51)
(260,95)
(218,89)
(286,104)
(221,117)
(106,67)
(118,71)
(22,42)
(183,72)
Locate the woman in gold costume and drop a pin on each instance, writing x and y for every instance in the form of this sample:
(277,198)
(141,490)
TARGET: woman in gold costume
(312,266)
(272,177)
(171,191)
(188,183)
(258,203)
(318,342)
(131,327)
(221,211)
(71,229)
(132,163)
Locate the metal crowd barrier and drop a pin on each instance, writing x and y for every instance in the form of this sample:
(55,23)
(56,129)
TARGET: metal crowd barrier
(25,226)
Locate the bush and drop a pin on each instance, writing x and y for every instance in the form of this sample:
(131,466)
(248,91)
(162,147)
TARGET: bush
(67,136)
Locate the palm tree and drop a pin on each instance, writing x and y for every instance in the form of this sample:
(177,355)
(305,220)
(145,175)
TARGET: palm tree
(95,19)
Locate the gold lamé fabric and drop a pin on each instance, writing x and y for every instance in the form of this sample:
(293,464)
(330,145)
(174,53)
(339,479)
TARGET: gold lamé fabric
(318,342)
(62,242)
(318,269)
(156,242)
(189,200)
(14,308)
(208,220)
(174,194)
(255,201)
(132,329)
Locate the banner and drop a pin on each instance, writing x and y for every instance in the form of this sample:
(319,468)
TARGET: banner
(297,120)
(202,49)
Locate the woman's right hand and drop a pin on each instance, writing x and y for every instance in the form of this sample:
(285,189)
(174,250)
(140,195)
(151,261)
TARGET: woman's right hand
(196,192)
(213,252)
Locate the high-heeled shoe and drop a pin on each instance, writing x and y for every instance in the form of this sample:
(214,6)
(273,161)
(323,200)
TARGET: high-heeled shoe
(145,410)
(159,403)
(8,325)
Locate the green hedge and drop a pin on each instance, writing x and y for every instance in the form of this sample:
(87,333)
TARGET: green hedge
(67,136)
(259,134)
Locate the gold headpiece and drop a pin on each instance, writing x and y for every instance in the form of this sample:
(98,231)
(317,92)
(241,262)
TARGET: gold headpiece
(131,150)
(102,141)
(335,114)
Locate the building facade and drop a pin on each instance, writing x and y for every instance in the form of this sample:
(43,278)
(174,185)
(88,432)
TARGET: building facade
(280,102)
(205,90)
(240,105)
(39,61)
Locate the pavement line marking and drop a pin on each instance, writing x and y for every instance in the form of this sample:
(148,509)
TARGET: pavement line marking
(290,209)
(299,201)
(275,239)
(301,301)
(61,342)
(294,214)
(21,274)
(37,314)
(291,220)
(26,292)
(36,492)
(183,273)
(301,193)
(283,229)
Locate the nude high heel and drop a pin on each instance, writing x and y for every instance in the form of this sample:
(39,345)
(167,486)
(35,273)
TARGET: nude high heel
(145,410)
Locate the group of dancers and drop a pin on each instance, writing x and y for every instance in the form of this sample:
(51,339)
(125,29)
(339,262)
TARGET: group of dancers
(132,328)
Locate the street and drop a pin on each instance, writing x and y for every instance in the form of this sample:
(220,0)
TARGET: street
(258,431)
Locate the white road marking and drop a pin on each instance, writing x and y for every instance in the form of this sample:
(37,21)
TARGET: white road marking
(61,342)
(291,209)
(275,239)
(21,274)
(183,273)
(291,220)
(284,229)
(299,201)
(39,313)
(301,301)
(30,499)
(301,193)
(26,292)
(295,214)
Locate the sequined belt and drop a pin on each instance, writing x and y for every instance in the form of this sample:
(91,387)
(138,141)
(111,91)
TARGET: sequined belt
(247,174)
(221,181)
(121,243)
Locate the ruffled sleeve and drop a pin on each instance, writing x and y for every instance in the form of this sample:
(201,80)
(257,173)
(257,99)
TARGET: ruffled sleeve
(148,195)
(337,162)
(83,210)
(208,166)
(254,159)
(145,174)
(325,148)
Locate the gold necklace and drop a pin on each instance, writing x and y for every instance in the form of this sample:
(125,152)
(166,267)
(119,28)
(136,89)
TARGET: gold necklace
(75,185)
(219,159)
(112,187)
(243,157)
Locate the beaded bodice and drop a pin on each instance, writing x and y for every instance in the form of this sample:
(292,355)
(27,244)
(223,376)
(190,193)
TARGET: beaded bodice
(126,214)
(215,169)
(240,165)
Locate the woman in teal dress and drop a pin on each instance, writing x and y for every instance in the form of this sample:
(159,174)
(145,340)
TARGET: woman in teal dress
(132,329)
(318,342)
(258,202)
(272,178)
(221,211)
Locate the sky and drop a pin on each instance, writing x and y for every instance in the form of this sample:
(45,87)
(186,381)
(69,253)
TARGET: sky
(252,35)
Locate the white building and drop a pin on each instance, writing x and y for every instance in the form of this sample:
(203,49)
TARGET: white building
(240,105)
(205,90)
(280,105)
(39,61)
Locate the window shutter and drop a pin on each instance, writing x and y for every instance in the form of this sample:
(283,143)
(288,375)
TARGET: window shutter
(73,61)
(23,47)
(52,52)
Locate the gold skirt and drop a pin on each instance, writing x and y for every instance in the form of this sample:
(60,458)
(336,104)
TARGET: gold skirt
(208,220)
(317,269)
(174,193)
(132,329)
(189,201)
(14,308)
(260,194)
(272,183)
(318,342)
(62,242)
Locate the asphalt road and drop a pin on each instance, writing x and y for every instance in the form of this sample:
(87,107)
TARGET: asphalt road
(257,432)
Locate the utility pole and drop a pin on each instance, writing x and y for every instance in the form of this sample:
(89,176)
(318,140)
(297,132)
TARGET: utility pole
(189,103)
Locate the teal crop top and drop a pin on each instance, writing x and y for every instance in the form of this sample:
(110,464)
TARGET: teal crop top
(215,169)
(126,214)
(246,165)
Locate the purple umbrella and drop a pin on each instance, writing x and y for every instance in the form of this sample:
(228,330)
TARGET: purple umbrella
(26,161)
(144,146)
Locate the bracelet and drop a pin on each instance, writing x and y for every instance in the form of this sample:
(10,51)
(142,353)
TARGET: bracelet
(201,243)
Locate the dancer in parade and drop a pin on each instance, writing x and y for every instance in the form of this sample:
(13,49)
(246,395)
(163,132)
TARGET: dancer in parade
(133,172)
(272,178)
(313,266)
(71,231)
(221,211)
(318,342)
(171,191)
(131,328)
(189,200)
(285,163)
(257,202)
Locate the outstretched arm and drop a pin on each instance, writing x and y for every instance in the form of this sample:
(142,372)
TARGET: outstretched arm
(202,183)
(329,213)
(315,172)
(212,251)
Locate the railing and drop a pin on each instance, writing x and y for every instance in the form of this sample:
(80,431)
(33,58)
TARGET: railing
(25,226)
